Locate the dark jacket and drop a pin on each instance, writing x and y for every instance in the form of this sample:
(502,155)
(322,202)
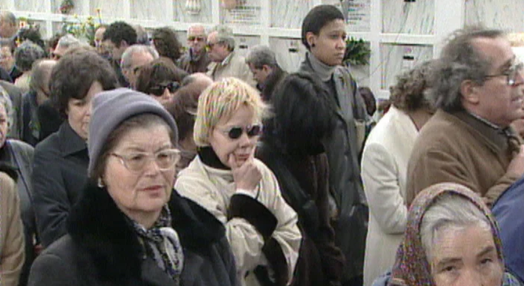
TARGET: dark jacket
(59,174)
(18,156)
(49,119)
(193,65)
(30,126)
(320,262)
(509,212)
(272,81)
(344,171)
(103,249)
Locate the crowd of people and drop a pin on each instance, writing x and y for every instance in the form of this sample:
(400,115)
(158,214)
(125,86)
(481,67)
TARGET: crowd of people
(129,161)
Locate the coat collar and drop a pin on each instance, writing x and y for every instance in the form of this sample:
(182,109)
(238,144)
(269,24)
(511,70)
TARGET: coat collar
(70,142)
(100,229)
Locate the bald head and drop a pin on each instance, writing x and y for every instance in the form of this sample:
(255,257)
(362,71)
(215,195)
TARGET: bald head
(8,25)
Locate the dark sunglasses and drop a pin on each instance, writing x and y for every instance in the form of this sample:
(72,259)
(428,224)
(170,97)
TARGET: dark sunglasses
(251,131)
(199,39)
(158,90)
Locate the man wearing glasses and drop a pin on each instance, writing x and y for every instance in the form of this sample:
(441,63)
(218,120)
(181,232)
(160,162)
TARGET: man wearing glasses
(478,89)
(196,58)
(225,61)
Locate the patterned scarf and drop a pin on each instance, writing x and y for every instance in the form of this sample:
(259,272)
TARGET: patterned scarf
(161,243)
(411,266)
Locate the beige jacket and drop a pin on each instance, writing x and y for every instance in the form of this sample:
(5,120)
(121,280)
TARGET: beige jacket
(214,189)
(11,233)
(234,65)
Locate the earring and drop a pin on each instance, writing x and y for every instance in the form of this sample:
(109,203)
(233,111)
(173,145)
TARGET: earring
(100,183)
(313,45)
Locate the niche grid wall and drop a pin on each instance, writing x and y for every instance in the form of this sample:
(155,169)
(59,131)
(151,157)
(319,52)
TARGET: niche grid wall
(399,33)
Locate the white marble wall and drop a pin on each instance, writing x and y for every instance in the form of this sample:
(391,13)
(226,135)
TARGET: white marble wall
(149,10)
(393,62)
(182,16)
(55,7)
(246,14)
(31,5)
(289,52)
(408,17)
(288,14)
(113,8)
(501,14)
(243,43)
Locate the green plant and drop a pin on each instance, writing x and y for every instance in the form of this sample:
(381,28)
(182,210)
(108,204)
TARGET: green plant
(83,29)
(357,52)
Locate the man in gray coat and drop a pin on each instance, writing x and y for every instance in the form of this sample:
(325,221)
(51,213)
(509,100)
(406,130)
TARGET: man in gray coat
(323,34)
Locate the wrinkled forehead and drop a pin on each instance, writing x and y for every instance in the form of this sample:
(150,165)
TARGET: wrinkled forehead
(497,51)
(197,31)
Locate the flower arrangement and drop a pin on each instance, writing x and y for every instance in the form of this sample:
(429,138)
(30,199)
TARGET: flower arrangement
(83,29)
(357,52)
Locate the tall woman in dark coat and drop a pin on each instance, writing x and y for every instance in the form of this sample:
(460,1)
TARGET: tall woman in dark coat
(60,161)
(292,148)
(130,227)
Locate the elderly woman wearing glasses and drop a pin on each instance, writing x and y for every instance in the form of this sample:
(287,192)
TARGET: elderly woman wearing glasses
(130,227)
(160,79)
(238,189)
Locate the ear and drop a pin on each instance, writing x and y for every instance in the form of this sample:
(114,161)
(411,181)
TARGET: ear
(124,44)
(267,69)
(311,38)
(468,89)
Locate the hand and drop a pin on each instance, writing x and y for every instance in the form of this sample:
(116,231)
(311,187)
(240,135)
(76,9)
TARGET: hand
(516,166)
(246,176)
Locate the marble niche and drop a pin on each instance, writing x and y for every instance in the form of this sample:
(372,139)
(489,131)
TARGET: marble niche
(289,52)
(401,17)
(500,14)
(149,10)
(181,15)
(31,5)
(243,43)
(247,12)
(108,9)
(289,14)
(399,58)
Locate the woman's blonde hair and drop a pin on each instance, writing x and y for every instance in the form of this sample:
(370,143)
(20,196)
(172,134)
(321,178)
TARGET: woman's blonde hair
(220,101)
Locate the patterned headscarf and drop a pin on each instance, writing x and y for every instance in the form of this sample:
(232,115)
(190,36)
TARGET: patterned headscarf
(411,266)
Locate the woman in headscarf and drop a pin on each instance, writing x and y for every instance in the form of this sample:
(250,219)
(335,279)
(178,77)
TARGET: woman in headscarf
(130,227)
(451,239)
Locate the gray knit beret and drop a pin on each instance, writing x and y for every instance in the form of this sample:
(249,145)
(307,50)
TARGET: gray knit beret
(110,108)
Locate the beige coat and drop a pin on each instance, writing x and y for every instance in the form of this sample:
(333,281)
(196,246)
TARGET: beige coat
(214,189)
(234,65)
(11,233)
(384,173)
(459,148)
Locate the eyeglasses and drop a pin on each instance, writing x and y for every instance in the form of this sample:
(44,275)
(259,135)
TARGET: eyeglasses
(511,74)
(209,46)
(251,130)
(158,90)
(198,39)
(136,162)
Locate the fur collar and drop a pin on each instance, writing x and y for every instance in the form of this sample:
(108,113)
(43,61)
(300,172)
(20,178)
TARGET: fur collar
(99,228)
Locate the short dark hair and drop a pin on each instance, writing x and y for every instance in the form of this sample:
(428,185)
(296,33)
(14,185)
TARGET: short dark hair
(74,74)
(144,120)
(317,18)
(157,72)
(26,54)
(53,41)
(166,43)
(31,33)
(302,109)
(120,31)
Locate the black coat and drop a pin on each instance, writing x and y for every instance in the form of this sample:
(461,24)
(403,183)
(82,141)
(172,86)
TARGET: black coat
(59,175)
(103,249)
(18,157)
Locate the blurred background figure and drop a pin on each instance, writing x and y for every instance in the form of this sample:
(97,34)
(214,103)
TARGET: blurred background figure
(8,28)
(25,55)
(160,79)
(66,42)
(133,59)
(117,38)
(267,73)
(166,43)
(384,168)
(196,58)
(37,95)
(369,99)
(183,107)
